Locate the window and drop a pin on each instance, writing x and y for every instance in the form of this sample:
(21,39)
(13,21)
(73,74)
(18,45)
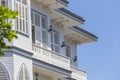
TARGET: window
(22,19)
(33,34)
(36,76)
(55,41)
(68,51)
(39,29)
(3,2)
(44,30)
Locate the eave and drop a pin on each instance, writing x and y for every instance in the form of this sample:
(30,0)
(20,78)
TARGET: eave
(65,19)
(71,15)
(52,4)
(79,36)
(84,32)
(64,2)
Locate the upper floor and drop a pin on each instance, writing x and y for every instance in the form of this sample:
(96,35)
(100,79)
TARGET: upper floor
(48,30)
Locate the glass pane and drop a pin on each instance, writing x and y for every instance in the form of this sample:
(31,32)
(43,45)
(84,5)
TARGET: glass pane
(44,37)
(33,34)
(23,13)
(37,20)
(16,6)
(20,25)
(68,51)
(24,26)
(27,27)
(3,3)
(36,79)
(26,13)
(55,41)
(19,11)
(43,21)
(56,38)
(57,49)
(32,17)
(37,35)
(51,36)
(52,47)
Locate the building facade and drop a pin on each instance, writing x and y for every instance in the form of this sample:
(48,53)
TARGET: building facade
(46,48)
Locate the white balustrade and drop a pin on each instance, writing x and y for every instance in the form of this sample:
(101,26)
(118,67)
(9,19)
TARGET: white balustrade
(51,57)
(78,74)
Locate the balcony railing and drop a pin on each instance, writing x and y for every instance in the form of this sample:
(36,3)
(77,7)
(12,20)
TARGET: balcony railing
(78,74)
(51,57)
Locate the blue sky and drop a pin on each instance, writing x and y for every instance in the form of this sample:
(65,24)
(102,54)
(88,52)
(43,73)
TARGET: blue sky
(100,59)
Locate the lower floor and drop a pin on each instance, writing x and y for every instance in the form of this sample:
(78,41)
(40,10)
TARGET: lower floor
(7,71)
(20,65)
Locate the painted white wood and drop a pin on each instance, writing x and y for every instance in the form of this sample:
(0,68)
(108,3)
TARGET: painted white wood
(51,57)
(78,74)
(8,62)
(25,42)
(18,61)
(3,72)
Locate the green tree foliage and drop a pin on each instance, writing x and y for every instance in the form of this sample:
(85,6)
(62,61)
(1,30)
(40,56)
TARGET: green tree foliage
(6,32)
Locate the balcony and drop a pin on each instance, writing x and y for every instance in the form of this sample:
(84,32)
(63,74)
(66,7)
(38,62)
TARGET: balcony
(78,74)
(50,57)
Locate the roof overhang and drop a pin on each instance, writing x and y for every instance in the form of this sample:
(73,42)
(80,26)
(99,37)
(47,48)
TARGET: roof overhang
(78,35)
(65,18)
(69,78)
(71,15)
(52,4)
(64,2)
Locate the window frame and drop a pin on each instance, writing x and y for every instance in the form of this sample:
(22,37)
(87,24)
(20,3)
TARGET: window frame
(36,76)
(39,27)
(22,22)
(6,2)
(53,44)
(68,54)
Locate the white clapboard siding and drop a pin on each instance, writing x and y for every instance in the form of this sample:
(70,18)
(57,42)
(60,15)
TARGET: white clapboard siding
(8,64)
(23,42)
(18,61)
(3,73)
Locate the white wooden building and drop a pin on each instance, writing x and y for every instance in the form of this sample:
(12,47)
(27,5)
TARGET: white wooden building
(46,48)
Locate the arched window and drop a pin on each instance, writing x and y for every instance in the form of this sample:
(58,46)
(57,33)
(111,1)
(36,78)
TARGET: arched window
(23,73)
(3,2)
(3,72)
(22,20)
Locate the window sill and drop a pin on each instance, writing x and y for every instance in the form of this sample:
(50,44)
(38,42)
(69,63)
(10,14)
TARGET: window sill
(23,34)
